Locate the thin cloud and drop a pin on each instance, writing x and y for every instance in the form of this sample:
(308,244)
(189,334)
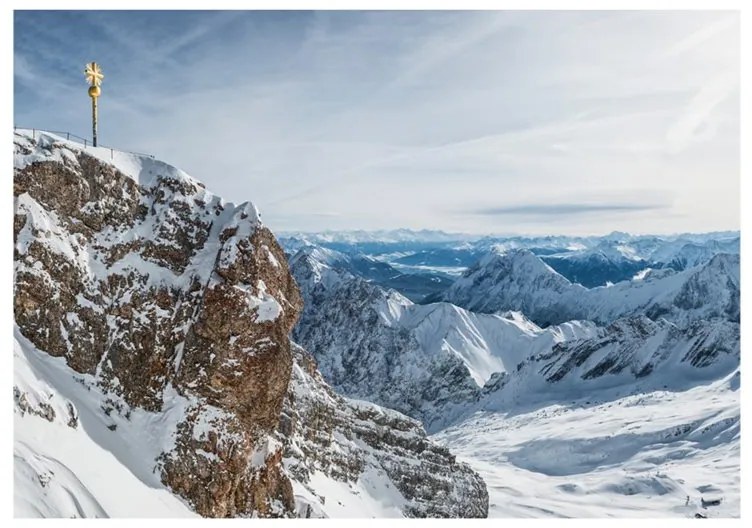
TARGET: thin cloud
(566,209)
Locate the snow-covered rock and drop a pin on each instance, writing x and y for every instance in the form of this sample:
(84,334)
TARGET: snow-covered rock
(128,269)
(153,324)
(351,458)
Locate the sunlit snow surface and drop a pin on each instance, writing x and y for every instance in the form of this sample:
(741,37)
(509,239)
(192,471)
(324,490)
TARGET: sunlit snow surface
(634,456)
(90,470)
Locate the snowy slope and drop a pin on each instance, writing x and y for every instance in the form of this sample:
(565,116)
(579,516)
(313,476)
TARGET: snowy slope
(486,343)
(624,423)
(630,355)
(67,460)
(635,455)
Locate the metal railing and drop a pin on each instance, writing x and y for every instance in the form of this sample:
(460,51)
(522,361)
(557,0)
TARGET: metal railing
(78,139)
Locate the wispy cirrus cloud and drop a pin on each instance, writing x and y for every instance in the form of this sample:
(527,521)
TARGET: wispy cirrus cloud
(566,209)
(401,119)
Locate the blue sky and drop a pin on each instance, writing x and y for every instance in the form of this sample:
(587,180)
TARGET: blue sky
(504,122)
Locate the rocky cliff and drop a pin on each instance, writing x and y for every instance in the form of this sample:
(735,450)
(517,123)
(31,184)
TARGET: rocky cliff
(369,452)
(170,301)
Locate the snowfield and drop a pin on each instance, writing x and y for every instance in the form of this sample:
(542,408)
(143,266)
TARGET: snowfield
(640,455)
(76,465)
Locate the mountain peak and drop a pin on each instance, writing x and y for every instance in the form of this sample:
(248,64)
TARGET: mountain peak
(168,313)
(515,279)
(514,261)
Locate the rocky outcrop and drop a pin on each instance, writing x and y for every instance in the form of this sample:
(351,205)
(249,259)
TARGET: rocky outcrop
(352,441)
(170,301)
(140,277)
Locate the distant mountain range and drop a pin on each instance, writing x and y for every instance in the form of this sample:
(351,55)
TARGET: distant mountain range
(589,261)
(373,343)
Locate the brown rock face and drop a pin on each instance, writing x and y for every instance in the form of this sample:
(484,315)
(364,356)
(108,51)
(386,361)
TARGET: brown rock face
(151,284)
(178,306)
(224,338)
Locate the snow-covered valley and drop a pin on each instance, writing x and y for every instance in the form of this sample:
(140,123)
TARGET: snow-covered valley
(648,454)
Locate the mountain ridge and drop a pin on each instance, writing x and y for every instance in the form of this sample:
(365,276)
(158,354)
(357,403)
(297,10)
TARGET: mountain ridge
(520,280)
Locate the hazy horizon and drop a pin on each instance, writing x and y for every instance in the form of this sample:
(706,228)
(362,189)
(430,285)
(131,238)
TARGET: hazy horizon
(288,232)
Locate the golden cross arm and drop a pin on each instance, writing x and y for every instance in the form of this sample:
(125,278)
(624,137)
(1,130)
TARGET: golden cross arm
(93,74)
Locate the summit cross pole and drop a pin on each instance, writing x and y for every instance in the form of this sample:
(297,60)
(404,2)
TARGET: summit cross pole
(94,121)
(94,77)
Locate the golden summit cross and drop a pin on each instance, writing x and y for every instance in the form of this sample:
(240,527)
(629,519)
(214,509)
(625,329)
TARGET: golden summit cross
(94,77)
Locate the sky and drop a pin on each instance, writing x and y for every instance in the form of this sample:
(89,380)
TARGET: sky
(507,122)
